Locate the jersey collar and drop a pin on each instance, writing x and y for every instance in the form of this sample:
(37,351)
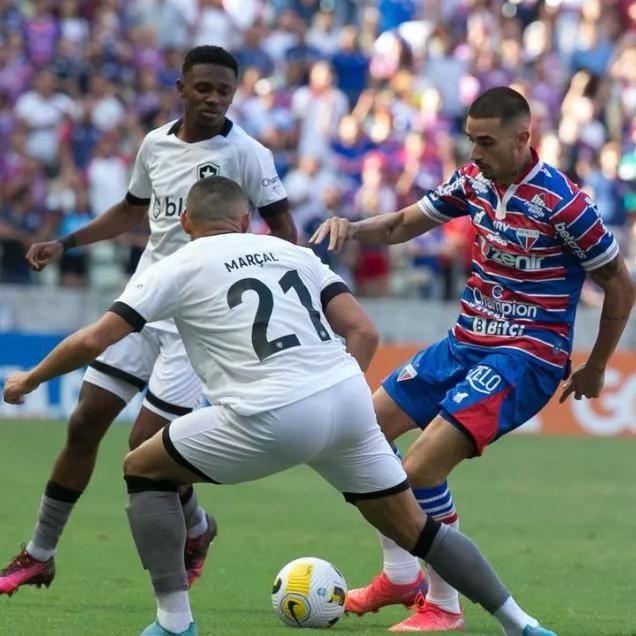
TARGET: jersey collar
(504,193)
(225,131)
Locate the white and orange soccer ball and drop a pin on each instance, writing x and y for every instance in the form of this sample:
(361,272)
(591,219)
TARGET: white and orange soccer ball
(309,592)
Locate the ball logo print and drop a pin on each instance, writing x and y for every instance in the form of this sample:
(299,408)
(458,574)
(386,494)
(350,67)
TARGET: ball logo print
(309,592)
(296,608)
(208,169)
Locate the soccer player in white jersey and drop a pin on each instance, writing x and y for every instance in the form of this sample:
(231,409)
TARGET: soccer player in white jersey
(537,237)
(171,159)
(259,318)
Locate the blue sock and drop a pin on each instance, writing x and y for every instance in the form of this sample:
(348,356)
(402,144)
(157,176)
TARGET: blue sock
(437,502)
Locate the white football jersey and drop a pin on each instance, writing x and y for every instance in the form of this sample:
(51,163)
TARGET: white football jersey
(249,311)
(167,167)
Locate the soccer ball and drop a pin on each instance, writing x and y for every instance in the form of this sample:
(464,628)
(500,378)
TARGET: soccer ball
(309,592)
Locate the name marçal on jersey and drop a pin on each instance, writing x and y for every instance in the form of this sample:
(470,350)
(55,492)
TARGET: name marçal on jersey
(259,259)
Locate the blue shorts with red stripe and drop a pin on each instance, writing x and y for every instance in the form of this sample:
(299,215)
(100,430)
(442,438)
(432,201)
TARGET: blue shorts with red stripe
(485,392)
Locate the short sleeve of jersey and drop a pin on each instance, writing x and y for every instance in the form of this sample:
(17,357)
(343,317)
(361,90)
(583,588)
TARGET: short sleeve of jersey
(331,285)
(447,201)
(260,179)
(583,233)
(140,186)
(151,296)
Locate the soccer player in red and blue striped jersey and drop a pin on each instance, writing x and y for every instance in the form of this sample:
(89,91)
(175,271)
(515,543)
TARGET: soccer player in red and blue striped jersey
(537,237)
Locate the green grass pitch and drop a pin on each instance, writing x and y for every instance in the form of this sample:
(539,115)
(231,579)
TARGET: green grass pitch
(557,517)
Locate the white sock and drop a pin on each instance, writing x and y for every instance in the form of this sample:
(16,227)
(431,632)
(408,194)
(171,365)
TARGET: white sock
(200,527)
(400,566)
(441,593)
(39,554)
(173,611)
(513,619)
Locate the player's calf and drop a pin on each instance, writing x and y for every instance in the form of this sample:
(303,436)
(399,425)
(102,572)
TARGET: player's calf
(90,420)
(158,528)
(454,556)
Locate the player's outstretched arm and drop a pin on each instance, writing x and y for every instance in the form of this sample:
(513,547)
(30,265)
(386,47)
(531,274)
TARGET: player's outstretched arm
(117,220)
(349,320)
(384,229)
(587,380)
(74,352)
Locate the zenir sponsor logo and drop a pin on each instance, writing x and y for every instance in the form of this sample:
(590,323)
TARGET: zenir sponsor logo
(523,262)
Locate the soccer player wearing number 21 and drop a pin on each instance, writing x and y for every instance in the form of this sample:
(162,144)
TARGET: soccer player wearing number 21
(170,160)
(258,317)
(537,236)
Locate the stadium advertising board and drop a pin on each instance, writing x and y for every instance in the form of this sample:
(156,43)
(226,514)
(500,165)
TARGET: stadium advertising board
(613,414)
(53,400)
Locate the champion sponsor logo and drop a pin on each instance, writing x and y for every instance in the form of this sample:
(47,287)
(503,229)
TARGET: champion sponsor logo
(569,240)
(407,373)
(269,182)
(522,262)
(527,238)
(458,397)
(503,308)
(497,291)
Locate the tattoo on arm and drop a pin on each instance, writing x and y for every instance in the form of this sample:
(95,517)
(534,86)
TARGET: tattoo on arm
(606,272)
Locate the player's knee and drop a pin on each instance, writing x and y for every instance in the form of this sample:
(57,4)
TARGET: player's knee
(83,434)
(134,464)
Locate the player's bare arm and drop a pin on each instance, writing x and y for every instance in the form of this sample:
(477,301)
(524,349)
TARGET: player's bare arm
(279,220)
(117,220)
(73,352)
(349,320)
(587,381)
(384,229)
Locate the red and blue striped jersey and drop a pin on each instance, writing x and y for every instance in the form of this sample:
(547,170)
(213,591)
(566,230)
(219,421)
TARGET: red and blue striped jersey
(534,243)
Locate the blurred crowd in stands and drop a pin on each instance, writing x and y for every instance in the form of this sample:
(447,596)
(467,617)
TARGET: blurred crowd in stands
(361,102)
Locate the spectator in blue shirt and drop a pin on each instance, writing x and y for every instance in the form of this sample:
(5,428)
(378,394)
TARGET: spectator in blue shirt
(351,65)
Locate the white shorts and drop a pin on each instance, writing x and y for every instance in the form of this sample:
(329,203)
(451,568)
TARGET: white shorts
(334,431)
(154,357)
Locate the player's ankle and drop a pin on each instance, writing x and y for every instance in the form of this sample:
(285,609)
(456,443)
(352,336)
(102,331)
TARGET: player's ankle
(39,553)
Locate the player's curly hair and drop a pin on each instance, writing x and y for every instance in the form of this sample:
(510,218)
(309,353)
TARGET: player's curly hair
(209,54)
(500,102)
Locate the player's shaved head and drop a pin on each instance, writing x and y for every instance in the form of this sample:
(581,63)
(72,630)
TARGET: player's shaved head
(503,103)
(216,199)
